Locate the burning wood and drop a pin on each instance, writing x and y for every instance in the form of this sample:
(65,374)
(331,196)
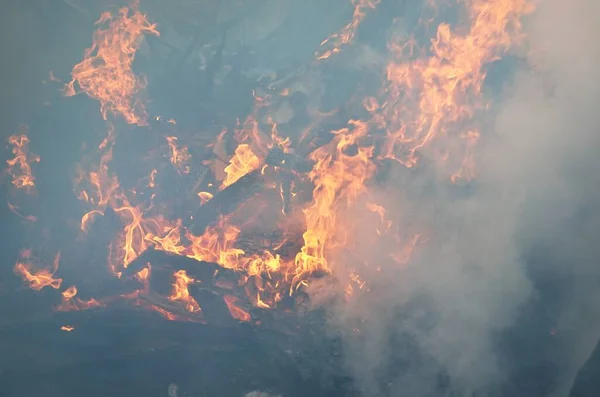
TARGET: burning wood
(225,244)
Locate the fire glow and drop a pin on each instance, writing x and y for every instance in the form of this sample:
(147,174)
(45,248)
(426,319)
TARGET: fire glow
(430,96)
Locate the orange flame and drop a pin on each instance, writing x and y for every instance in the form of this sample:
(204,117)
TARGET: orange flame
(19,167)
(435,95)
(15,210)
(105,73)
(431,100)
(334,43)
(181,293)
(339,179)
(236,311)
(180,157)
(243,161)
(37,279)
(72,303)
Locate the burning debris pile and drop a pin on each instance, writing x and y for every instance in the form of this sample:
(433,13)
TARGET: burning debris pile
(256,218)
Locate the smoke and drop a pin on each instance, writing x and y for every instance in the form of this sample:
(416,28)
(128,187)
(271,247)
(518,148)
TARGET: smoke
(517,244)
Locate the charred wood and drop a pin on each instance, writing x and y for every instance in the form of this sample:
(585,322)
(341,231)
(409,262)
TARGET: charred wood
(288,161)
(206,272)
(226,201)
(214,308)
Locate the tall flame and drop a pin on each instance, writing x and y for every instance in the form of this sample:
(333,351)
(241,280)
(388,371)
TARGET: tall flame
(433,96)
(339,178)
(106,72)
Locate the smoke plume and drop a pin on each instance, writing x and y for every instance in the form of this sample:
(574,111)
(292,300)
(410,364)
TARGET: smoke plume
(518,243)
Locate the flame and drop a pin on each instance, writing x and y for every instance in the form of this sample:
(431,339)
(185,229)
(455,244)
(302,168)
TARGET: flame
(204,197)
(243,161)
(37,279)
(181,293)
(236,311)
(19,167)
(180,156)
(334,43)
(72,303)
(67,328)
(152,178)
(15,210)
(431,103)
(105,73)
(339,179)
(88,219)
(432,96)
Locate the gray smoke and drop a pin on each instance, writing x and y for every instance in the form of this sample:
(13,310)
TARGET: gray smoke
(524,232)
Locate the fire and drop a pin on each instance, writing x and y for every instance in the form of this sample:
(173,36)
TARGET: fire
(433,96)
(37,279)
(339,178)
(15,210)
(72,303)
(243,161)
(180,156)
(430,105)
(105,73)
(181,293)
(67,328)
(334,43)
(19,167)
(236,311)
(205,197)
